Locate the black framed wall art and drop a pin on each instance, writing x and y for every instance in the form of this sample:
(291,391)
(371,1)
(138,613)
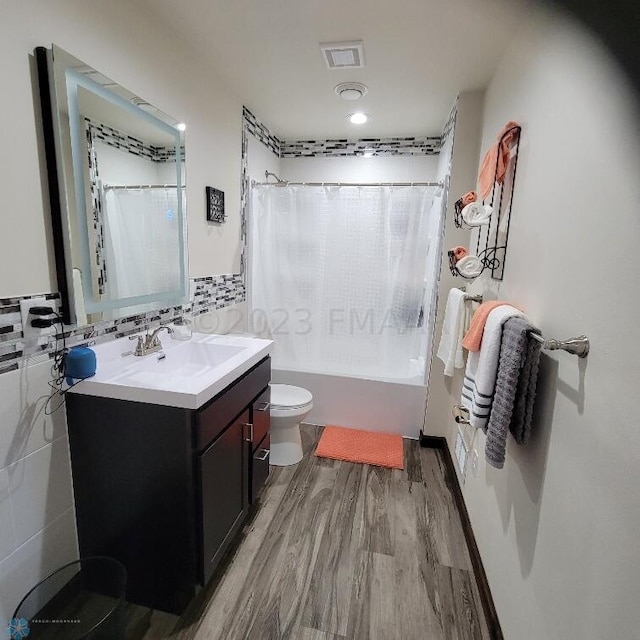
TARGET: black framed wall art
(215,205)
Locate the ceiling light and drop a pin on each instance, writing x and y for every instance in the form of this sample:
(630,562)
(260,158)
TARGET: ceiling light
(367,153)
(351,90)
(358,118)
(181,126)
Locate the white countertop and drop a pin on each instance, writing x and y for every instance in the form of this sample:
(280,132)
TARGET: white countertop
(184,374)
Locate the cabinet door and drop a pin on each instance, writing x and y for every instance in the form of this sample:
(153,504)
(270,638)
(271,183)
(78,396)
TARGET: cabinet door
(223,476)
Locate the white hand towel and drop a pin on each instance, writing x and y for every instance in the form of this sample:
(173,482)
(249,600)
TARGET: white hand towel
(476,214)
(450,348)
(469,266)
(482,368)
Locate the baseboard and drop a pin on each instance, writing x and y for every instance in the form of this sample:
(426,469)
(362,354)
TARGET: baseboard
(432,442)
(488,606)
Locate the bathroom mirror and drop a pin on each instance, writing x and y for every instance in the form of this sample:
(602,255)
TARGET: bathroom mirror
(116,179)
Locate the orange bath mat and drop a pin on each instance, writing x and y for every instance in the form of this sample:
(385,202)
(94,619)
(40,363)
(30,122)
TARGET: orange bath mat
(353,445)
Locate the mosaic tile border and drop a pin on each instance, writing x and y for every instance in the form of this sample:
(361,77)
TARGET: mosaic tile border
(335,147)
(207,294)
(344,147)
(251,126)
(260,131)
(123,141)
(96,207)
(244,197)
(450,123)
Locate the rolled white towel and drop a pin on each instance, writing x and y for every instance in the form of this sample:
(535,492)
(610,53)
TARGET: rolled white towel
(469,266)
(476,214)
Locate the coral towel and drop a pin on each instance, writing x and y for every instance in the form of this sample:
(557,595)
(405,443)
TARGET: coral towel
(473,338)
(468,198)
(459,252)
(496,160)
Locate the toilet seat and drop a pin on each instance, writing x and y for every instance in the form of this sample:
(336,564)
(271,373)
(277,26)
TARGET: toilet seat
(287,397)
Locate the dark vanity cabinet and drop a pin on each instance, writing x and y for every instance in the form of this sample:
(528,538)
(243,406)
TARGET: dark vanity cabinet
(165,489)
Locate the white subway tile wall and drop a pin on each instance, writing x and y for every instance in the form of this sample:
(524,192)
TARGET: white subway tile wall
(37,521)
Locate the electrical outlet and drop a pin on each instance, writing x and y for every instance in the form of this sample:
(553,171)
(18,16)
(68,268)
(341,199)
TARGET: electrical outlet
(474,463)
(34,337)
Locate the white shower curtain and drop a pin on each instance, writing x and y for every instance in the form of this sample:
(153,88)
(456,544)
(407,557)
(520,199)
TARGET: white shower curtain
(338,276)
(142,246)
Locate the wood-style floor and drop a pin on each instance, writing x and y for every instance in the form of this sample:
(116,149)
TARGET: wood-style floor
(341,550)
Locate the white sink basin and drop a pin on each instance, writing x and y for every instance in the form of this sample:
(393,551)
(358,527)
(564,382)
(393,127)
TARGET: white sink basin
(183,374)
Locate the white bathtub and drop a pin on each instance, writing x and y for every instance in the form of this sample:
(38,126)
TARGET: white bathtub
(374,405)
(384,405)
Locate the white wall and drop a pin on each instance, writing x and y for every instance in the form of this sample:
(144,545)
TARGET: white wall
(37,529)
(127,45)
(261,159)
(463,173)
(117,166)
(360,169)
(37,522)
(559,527)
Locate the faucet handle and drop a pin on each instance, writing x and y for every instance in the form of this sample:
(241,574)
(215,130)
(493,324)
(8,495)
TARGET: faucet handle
(140,344)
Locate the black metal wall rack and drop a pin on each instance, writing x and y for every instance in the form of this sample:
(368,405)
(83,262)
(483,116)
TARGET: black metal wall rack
(492,238)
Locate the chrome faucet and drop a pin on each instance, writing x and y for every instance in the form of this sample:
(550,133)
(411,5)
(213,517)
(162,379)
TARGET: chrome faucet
(149,343)
(152,342)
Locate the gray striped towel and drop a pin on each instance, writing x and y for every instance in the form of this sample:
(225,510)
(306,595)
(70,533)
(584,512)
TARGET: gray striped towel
(482,368)
(515,392)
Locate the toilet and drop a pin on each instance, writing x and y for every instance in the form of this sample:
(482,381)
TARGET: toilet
(289,407)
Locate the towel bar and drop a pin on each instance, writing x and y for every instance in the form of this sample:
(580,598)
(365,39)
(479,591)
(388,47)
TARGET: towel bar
(577,346)
(472,298)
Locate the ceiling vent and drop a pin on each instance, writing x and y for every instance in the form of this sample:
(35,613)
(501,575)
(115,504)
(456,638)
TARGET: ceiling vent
(351,90)
(343,55)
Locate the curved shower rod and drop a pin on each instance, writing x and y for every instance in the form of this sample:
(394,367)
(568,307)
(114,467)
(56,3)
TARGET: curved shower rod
(284,183)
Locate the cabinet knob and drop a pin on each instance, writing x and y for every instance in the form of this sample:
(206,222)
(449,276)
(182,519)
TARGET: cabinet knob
(265,406)
(264,454)
(249,437)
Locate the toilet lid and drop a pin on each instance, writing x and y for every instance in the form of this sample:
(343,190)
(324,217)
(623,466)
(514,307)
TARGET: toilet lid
(286,395)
